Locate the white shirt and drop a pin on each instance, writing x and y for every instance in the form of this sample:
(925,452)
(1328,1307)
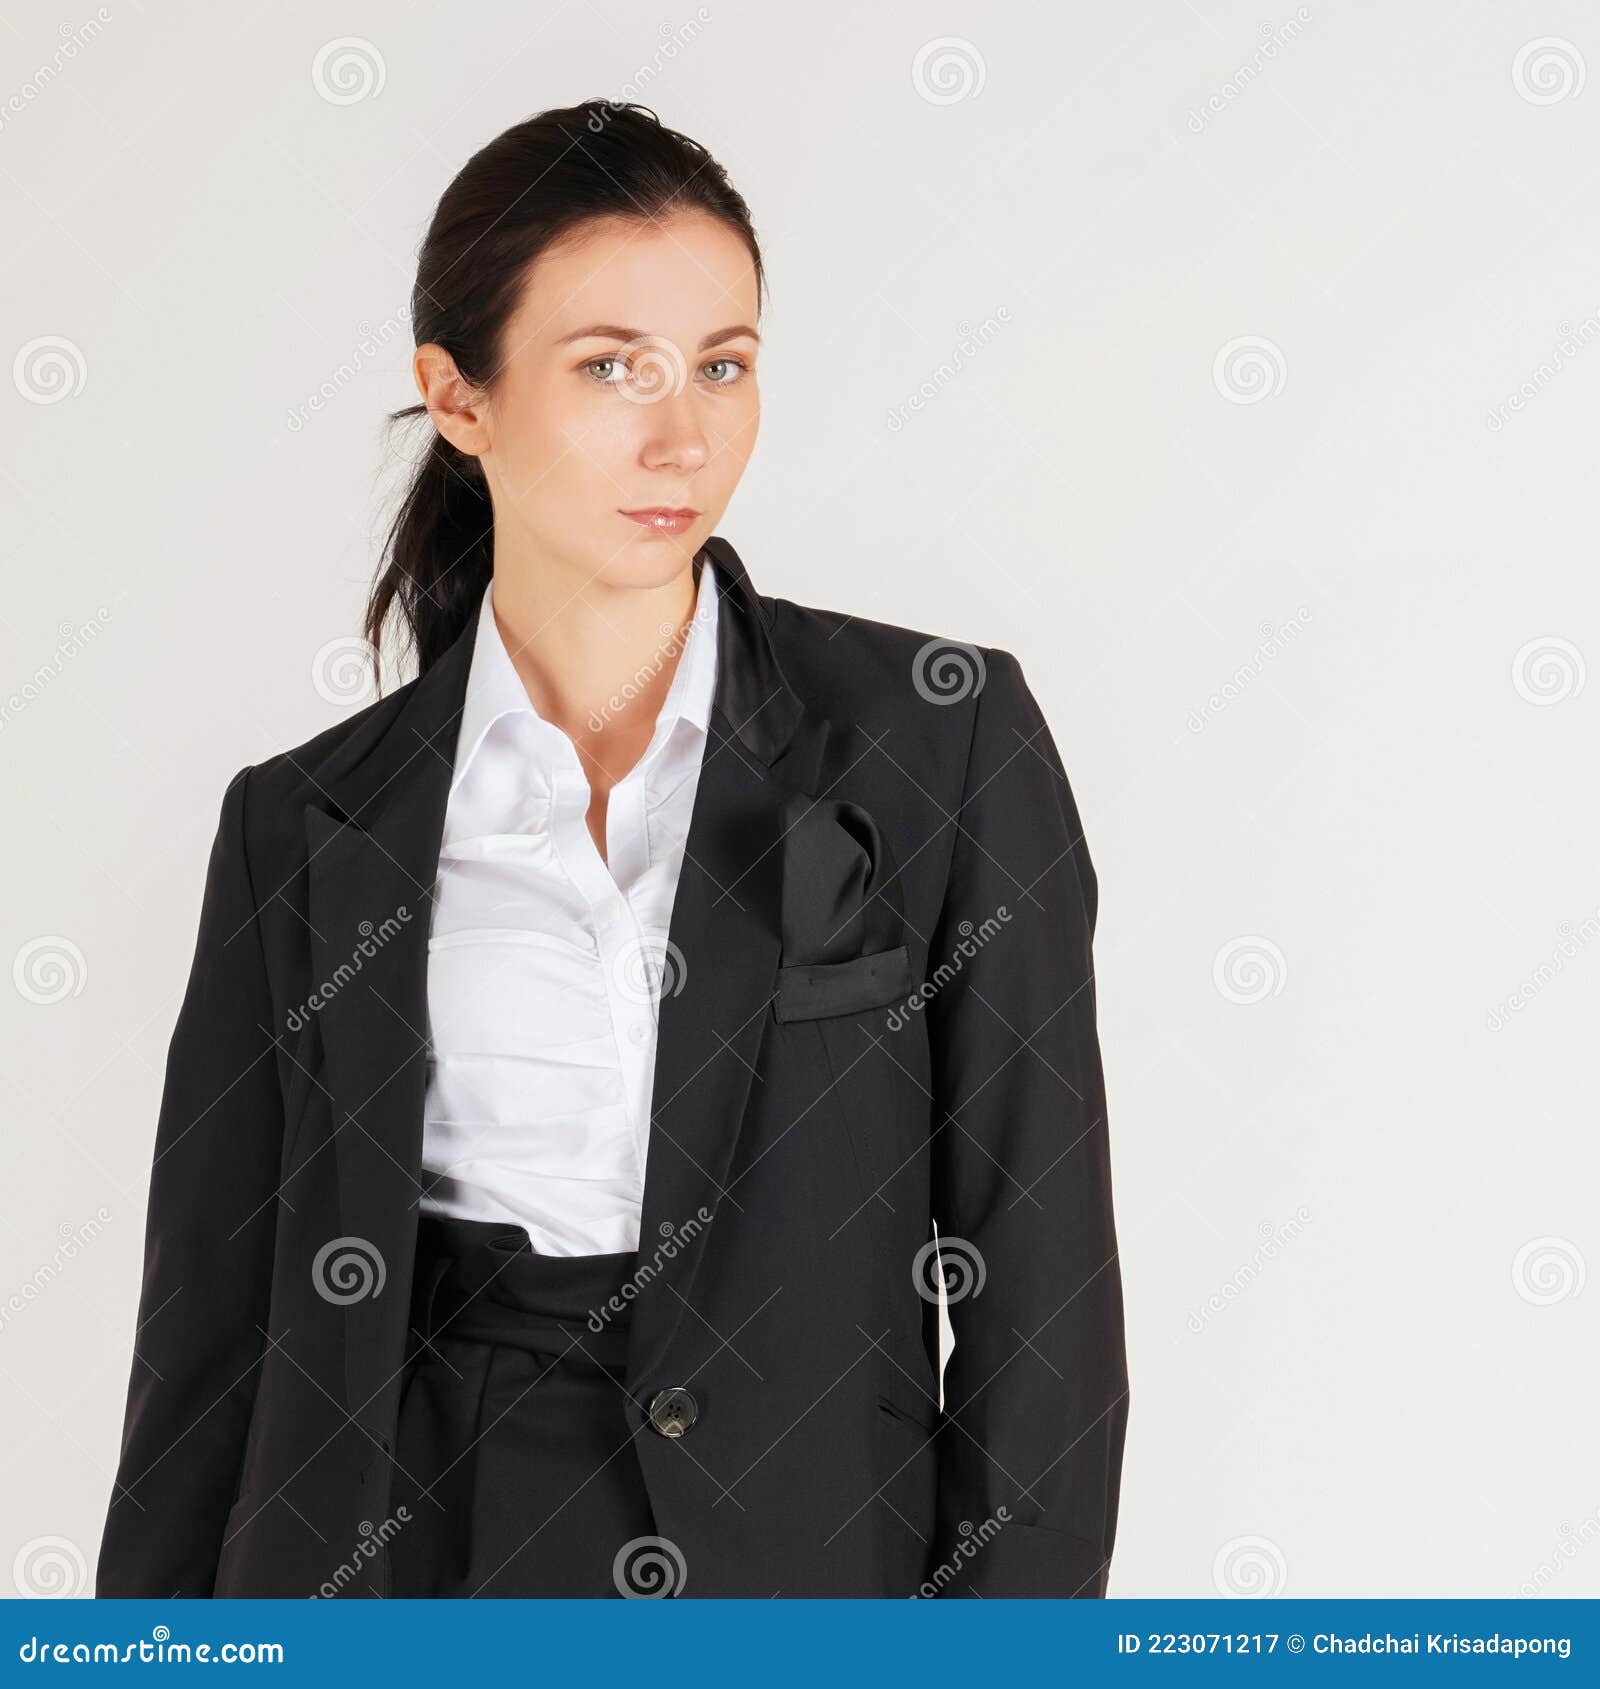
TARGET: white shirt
(545,964)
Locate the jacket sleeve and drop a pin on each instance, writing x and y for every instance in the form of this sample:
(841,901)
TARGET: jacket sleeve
(207,1253)
(1036,1386)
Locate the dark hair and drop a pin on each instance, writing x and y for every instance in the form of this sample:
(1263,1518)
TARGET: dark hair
(513,199)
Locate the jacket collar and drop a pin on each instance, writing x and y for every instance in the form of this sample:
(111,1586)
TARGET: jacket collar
(363,780)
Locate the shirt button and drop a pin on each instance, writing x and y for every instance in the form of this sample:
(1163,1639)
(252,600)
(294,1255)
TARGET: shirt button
(673,1410)
(637,1032)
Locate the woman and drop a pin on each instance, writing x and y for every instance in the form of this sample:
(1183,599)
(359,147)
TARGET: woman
(588,1043)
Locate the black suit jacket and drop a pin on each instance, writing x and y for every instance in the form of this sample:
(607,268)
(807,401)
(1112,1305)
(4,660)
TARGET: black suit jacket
(879,1019)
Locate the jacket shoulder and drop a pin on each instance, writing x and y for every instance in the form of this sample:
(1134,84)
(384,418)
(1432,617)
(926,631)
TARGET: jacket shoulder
(280,786)
(860,669)
(922,689)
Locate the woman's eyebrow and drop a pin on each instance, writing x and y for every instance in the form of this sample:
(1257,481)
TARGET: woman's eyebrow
(612,331)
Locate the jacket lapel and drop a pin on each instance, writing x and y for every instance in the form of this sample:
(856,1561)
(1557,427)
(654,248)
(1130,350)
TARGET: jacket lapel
(373,845)
(373,839)
(720,974)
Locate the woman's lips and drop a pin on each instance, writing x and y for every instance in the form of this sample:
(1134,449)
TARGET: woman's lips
(662,518)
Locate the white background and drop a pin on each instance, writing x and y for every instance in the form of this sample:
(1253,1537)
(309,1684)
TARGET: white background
(1357,1214)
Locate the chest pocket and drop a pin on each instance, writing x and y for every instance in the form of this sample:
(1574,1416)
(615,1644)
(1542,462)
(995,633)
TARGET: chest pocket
(811,990)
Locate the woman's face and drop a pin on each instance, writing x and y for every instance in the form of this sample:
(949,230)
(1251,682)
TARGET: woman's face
(627,383)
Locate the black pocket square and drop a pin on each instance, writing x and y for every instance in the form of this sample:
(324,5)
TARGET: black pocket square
(844,944)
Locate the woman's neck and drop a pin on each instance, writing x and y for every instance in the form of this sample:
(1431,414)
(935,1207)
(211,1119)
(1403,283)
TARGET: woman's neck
(595,659)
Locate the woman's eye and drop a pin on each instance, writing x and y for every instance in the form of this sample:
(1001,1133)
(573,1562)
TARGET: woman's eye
(736,371)
(610,365)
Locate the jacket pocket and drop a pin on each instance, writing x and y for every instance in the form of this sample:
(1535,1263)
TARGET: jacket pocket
(810,990)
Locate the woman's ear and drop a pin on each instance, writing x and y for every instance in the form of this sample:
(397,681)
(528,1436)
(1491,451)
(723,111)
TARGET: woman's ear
(456,406)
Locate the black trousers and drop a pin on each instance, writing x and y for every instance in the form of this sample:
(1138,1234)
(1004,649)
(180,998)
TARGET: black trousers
(514,1454)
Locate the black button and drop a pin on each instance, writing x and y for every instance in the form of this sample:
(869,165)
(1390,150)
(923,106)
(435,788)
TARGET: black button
(673,1410)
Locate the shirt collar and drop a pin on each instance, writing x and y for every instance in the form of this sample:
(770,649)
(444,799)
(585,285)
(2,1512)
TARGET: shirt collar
(495,689)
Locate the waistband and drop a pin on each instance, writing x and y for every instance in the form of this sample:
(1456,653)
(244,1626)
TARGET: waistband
(484,1280)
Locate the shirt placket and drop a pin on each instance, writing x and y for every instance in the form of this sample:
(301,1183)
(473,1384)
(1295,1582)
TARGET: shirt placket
(624,956)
